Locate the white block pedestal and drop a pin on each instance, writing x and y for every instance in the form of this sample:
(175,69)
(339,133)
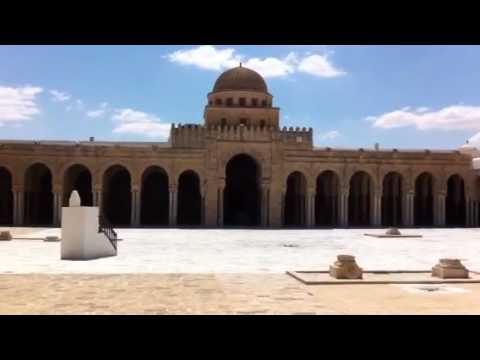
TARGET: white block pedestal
(80,237)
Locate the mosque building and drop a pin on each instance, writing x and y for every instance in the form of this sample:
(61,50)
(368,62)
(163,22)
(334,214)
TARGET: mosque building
(239,168)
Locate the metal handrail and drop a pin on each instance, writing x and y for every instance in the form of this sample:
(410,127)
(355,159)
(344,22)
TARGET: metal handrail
(105,227)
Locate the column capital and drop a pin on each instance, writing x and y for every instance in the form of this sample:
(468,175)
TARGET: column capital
(18,188)
(312,191)
(221,183)
(135,188)
(172,187)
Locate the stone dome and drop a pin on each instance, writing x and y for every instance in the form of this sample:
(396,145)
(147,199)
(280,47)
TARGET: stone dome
(241,79)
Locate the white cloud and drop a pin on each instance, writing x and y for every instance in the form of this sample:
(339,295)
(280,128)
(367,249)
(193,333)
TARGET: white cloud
(96,113)
(206,57)
(273,67)
(131,121)
(210,58)
(18,104)
(331,135)
(99,112)
(456,117)
(59,96)
(319,65)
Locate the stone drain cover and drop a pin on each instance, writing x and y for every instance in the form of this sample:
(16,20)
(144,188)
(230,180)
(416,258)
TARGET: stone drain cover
(433,289)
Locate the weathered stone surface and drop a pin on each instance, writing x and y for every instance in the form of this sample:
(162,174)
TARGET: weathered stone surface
(450,269)
(346,268)
(52,239)
(5,236)
(393,231)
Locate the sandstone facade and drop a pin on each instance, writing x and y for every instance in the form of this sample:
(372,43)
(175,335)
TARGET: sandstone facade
(238,168)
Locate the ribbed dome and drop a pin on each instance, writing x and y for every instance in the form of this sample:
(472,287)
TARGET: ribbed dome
(240,78)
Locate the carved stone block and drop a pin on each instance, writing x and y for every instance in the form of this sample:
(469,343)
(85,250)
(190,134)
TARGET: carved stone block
(450,269)
(346,268)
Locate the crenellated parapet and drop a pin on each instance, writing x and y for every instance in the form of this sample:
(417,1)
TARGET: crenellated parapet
(188,136)
(296,137)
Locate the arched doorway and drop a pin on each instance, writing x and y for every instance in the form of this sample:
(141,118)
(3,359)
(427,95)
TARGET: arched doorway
(38,199)
(117,198)
(392,200)
(155,197)
(424,200)
(189,199)
(295,215)
(242,193)
(455,206)
(359,202)
(6,197)
(326,199)
(78,177)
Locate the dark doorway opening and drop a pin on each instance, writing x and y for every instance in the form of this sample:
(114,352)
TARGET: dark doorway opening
(242,195)
(155,197)
(392,200)
(359,202)
(295,200)
(424,200)
(455,207)
(117,198)
(189,200)
(6,197)
(326,199)
(38,199)
(78,177)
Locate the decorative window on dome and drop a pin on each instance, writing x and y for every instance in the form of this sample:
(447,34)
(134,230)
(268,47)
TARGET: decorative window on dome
(218,102)
(262,123)
(223,122)
(264,103)
(244,122)
(229,102)
(254,102)
(241,101)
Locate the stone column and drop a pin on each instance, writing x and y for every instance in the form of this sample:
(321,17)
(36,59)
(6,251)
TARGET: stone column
(311,207)
(475,214)
(135,208)
(173,205)
(409,209)
(18,206)
(283,208)
(220,192)
(377,208)
(265,188)
(467,211)
(14,209)
(439,209)
(469,214)
(203,205)
(57,205)
(343,207)
(98,197)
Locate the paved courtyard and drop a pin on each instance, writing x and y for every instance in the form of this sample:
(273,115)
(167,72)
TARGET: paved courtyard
(231,272)
(244,251)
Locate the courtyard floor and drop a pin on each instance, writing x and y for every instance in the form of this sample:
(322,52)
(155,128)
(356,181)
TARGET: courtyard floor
(176,271)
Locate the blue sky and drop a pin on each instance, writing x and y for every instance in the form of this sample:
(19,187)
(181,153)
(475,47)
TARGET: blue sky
(353,96)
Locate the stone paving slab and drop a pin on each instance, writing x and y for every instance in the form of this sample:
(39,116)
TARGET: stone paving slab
(243,251)
(231,294)
(380,277)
